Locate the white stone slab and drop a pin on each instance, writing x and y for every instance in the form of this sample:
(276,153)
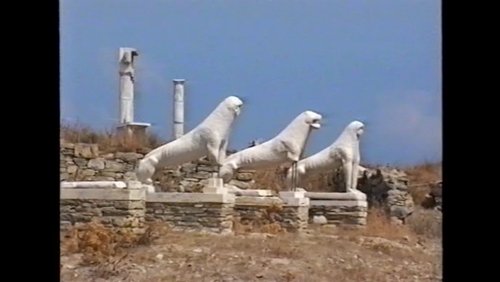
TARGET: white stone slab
(255,193)
(93,184)
(134,184)
(176,197)
(102,194)
(350,214)
(292,194)
(257,201)
(343,203)
(215,185)
(302,202)
(336,195)
(215,190)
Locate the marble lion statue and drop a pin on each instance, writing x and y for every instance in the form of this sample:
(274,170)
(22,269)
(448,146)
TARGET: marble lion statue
(209,138)
(285,147)
(343,153)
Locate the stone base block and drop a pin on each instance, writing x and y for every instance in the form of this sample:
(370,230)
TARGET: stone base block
(257,201)
(255,193)
(348,209)
(177,197)
(336,196)
(215,190)
(292,194)
(93,184)
(197,212)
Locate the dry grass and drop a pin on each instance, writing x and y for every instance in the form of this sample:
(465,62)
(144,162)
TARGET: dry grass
(108,140)
(379,225)
(424,173)
(419,194)
(177,256)
(272,179)
(421,178)
(104,248)
(425,222)
(422,222)
(98,243)
(320,182)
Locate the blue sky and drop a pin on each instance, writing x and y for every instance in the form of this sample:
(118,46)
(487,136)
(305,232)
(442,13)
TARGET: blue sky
(378,61)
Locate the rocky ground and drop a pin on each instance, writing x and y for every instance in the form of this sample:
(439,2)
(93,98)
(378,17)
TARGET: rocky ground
(383,253)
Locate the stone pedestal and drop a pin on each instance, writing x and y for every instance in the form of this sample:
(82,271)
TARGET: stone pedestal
(134,184)
(197,212)
(255,193)
(257,211)
(295,212)
(348,209)
(297,198)
(108,202)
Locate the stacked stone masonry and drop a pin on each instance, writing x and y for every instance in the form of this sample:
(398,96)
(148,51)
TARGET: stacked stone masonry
(266,210)
(295,218)
(118,210)
(123,206)
(388,188)
(257,210)
(85,162)
(339,208)
(185,213)
(339,215)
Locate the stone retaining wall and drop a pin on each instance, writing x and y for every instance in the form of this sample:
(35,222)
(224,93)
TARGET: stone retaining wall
(85,162)
(338,208)
(121,205)
(250,210)
(117,208)
(192,211)
(292,216)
